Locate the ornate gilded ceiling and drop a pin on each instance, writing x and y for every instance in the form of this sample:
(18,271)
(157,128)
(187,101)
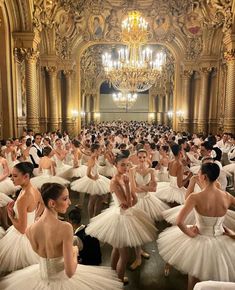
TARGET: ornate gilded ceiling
(185,27)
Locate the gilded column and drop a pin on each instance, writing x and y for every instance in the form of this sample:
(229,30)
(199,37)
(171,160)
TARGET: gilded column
(185,109)
(229,116)
(53,120)
(160,109)
(166,109)
(202,125)
(69,101)
(32,102)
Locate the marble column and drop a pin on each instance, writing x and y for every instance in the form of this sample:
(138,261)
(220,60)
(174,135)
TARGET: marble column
(69,122)
(229,116)
(32,100)
(203,109)
(185,109)
(53,119)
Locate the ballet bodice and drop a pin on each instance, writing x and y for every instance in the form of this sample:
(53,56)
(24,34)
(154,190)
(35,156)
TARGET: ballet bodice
(59,163)
(209,226)
(94,170)
(30,215)
(49,268)
(1,169)
(173,181)
(46,172)
(164,169)
(142,179)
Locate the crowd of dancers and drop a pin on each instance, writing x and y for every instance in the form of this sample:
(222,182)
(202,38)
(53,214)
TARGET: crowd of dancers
(149,172)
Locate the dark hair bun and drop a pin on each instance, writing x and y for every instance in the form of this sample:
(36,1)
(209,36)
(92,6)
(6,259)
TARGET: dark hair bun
(51,191)
(211,170)
(25,168)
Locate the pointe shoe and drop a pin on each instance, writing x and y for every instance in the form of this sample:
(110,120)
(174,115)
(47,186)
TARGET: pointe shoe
(125,281)
(145,255)
(135,265)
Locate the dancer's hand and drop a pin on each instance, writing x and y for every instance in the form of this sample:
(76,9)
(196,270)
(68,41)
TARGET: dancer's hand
(125,179)
(10,210)
(192,231)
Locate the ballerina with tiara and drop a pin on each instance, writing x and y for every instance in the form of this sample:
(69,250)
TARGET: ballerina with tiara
(122,225)
(47,170)
(52,241)
(15,249)
(203,251)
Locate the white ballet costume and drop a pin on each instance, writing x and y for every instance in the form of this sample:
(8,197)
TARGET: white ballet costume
(147,201)
(2,232)
(122,228)
(170,192)
(6,185)
(78,171)
(10,162)
(208,256)
(171,214)
(108,170)
(4,200)
(163,174)
(45,177)
(90,186)
(61,169)
(15,249)
(49,274)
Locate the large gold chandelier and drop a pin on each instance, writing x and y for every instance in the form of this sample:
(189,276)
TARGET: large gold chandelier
(124,100)
(136,69)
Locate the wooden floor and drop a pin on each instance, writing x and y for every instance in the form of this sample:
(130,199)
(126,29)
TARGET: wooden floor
(150,275)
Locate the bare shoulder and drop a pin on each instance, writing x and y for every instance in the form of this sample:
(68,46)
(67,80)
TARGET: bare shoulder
(66,228)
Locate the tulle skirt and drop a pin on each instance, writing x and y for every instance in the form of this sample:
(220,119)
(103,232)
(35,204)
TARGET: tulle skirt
(85,278)
(2,232)
(7,186)
(204,257)
(93,187)
(4,199)
(16,251)
(78,171)
(171,214)
(63,170)
(38,181)
(170,194)
(108,171)
(151,205)
(122,228)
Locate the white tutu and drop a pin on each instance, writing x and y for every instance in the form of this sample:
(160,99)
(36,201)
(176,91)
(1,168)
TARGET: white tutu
(50,275)
(7,186)
(122,228)
(108,170)
(94,187)
(208,256)
(15,249)
(171,214)
(163,175)
(170,192)
(45,177)
(77,171)
(4,199)
(147,201)
(151,205)
(62,169)
(2,232)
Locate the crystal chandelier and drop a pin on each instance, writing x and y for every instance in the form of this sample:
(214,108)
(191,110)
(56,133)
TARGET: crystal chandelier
(136,69)
(124,101)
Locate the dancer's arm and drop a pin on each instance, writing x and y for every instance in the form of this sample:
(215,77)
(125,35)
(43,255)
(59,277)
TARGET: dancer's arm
(19,223)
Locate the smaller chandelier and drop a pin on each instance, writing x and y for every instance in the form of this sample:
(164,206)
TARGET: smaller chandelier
(124,101)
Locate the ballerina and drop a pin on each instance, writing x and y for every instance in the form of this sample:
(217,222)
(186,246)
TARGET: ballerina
(52,241)
(122,225)
(163,175)
(22,213)
(94,184)
(202,250)
(47,168)
(6,184)
(108,170)
(144,184)
(10,154)
(175,191)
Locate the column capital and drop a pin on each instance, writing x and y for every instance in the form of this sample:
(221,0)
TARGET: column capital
(205,70)
(68,72)
(187,73)
(51,69)
(30,54)
(229,55)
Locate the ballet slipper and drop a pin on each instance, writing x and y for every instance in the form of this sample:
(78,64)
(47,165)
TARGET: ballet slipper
(167,270)
(135,265)
(125,281)
(145,255)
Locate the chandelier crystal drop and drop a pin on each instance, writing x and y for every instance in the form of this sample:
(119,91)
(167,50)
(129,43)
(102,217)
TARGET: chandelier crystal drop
(124,101)
(136,69)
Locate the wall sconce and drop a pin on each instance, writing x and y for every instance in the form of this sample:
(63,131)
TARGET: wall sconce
(151,116)
(82,113)
(97,115)
(74,115)
(180,115)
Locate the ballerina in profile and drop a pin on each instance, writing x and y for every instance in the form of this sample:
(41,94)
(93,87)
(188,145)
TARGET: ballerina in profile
(52,240)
